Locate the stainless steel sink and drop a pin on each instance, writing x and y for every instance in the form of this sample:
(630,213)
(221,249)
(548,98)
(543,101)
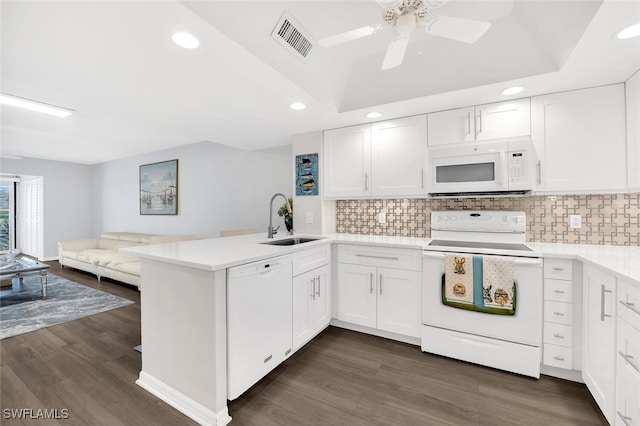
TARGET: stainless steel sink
(290,241)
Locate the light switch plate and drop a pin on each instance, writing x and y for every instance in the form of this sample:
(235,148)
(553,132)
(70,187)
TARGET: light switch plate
(382,217)
(309,217)
(575,221)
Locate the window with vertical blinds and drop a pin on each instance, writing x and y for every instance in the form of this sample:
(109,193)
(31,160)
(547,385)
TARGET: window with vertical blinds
(29,223)
(7,215)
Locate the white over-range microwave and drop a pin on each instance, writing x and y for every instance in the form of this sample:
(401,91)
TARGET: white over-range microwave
(482,168)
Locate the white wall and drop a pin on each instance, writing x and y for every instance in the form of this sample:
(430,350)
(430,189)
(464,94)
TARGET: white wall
(219,187)
(322,212)
(66,201)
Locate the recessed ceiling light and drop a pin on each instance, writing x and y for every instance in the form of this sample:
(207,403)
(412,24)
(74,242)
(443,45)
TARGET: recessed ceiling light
(297,106)
(629,32)
(185,40)
(374,114)
(34,105)
(512,90)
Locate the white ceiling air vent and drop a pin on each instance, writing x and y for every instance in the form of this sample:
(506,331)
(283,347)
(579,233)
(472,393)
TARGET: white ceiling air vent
(293,37)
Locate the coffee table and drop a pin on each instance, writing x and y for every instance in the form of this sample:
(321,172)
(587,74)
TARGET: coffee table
(24,266)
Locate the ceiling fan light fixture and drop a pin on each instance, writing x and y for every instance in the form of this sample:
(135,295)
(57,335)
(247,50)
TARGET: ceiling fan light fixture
(36,106)
(512,90)
(185,40)
(374,114)
(629,32)
(297,106)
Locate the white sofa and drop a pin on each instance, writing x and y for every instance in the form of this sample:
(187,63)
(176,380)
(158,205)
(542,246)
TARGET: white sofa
(101,256)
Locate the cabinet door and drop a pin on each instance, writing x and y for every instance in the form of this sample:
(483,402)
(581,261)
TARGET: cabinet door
(580,139)
(347,165)
(399,156)
(357,294)
(453,126)
(322,302)
(598,368)
(632,87)
(503,119)
(399,301)
(303,300)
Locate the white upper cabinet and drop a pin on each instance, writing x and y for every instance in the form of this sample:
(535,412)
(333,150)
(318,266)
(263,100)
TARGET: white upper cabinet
(503,119)
(580,139)
(453,126)
(347,165)
(482,122)
(383,159)
(399,156)
(633,131)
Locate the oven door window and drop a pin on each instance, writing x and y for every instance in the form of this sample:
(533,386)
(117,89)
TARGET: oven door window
(475,172)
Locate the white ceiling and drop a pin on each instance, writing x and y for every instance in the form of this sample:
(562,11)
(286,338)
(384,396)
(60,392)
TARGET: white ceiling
(134,91)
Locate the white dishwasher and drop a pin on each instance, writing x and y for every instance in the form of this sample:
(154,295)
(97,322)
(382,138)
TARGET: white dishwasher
(259,321)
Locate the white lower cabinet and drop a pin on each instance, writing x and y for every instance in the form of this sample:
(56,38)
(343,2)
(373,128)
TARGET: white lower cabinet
(628,356)
(380,297)
(311,305)
(599,340)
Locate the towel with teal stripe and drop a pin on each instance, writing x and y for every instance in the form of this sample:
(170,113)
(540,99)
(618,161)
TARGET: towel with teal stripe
(479,283)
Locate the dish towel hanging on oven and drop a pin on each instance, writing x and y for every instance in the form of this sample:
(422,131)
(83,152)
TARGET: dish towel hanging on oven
(459,278)
(479,283)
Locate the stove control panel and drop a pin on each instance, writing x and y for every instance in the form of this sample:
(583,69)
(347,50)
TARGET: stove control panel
(479,221)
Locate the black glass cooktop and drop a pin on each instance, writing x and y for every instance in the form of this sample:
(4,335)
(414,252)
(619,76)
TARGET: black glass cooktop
(475,244)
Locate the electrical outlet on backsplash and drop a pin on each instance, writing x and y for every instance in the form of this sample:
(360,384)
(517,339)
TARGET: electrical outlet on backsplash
(606,218)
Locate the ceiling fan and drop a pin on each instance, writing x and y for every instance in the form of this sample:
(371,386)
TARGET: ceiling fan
(404,16)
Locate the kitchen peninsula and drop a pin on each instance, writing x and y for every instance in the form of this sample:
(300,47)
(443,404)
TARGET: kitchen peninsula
(184,306)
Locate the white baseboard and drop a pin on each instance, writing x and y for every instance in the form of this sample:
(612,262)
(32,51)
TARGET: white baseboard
(375,332)
(48,259)
(561,373)
(183,403)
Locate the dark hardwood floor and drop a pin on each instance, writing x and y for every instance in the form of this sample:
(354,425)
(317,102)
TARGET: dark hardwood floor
(88,367)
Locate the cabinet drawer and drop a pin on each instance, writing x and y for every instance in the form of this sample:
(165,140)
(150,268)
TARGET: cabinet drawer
(557,356)
(629,306)
(628,348)
(558,290)
(558,334)
(380,256)
(627,402)
(558,312)
(561,269)
(309,259)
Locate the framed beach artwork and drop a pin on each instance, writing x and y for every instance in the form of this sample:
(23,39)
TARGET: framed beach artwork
(307,174)
(159,188)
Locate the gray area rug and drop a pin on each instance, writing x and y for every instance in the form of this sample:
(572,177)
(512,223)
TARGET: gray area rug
(66,301)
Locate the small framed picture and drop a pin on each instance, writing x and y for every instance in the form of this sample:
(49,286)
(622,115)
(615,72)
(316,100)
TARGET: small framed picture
(159,188)
(307,174)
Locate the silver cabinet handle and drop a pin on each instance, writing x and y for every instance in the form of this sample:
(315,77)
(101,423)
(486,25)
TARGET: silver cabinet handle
(479,130)
(626,420)
(318,291)
(560,314)
(558,269)
(558,358)
(422,178)
(371,283)
(380,284)
(630,306)
(629,359)
(558,336)
(558,291)
(469,123)
(313,291)
(366,181)
(602,292)
(539,172)
(377,257)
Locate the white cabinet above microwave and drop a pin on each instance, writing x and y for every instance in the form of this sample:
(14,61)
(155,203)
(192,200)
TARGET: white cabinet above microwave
(482,168)
(482,122)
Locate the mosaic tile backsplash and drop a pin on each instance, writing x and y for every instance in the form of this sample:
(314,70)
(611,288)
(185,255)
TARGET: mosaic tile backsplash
(612,219)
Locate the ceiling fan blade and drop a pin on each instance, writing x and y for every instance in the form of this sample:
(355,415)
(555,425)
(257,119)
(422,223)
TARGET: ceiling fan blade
(337,39)
(465,30)
(395,52)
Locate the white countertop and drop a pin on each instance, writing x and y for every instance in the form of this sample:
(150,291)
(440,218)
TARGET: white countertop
(221,253)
